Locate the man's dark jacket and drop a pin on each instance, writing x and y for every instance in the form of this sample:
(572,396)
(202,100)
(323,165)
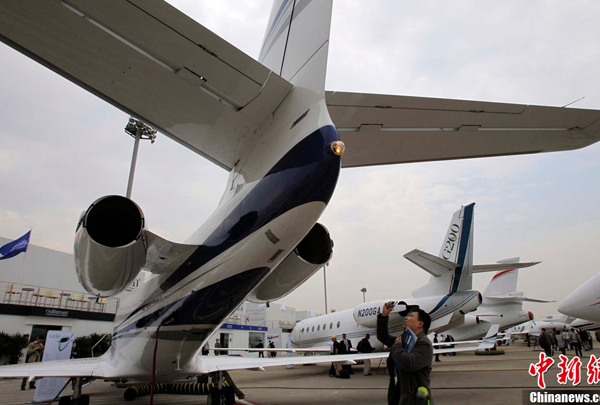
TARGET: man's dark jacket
(415,366)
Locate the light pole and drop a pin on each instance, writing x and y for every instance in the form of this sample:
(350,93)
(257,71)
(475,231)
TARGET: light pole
(138,130)
(364,291)
(325,284)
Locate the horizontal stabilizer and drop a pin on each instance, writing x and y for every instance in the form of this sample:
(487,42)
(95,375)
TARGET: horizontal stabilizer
(154,63)
(419,129)
(482,268)
(517,298)
(434,265)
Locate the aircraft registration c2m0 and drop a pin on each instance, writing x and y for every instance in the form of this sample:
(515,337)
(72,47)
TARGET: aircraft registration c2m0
(281,136)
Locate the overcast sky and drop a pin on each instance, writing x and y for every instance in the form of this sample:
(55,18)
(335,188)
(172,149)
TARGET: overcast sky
(61,147)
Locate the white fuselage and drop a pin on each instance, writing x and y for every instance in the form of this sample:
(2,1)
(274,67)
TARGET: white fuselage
(356,323)
(584,302)
(283,184)
(533,328)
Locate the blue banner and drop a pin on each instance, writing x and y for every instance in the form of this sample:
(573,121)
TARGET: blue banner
(11,249)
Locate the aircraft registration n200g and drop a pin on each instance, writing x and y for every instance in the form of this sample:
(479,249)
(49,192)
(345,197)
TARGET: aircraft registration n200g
(155,63)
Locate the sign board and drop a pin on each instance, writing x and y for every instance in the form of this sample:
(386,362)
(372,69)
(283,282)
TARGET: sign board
(58,346)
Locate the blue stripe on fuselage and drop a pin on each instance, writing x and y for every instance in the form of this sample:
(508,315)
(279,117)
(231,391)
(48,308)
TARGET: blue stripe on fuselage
(208,306)
(306,173)
(442,301)
(464,244)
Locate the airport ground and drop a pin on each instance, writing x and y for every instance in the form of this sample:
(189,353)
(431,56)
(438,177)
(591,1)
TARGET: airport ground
(462,379)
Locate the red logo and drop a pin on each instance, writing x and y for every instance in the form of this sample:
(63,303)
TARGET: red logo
(540,368)
(571,370)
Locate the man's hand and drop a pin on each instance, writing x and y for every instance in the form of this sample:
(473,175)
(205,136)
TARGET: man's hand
(398,340)
(387,308)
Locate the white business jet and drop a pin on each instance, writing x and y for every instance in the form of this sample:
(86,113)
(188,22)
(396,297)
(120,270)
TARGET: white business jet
(584,302)
(584,324)
(548,322)
(271,124)
(448,296)
(502,304)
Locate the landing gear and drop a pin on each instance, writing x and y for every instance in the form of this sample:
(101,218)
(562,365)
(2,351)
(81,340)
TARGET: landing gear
(83,400)
(224,390)
(77,398)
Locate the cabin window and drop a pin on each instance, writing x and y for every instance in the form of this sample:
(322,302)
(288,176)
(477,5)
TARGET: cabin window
(318,328)
(338,324)
(324,326)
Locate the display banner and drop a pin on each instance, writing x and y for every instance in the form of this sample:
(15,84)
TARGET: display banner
(58,346)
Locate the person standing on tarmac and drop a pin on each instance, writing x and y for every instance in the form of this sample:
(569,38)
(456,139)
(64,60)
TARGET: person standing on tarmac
(364,346)
(410,370)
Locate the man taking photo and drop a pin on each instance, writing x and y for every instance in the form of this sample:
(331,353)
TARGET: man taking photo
(409,362)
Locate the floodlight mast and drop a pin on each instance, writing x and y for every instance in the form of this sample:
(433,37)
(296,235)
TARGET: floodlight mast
(138,130)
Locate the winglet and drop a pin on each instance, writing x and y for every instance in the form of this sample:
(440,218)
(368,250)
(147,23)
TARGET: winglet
(489,341)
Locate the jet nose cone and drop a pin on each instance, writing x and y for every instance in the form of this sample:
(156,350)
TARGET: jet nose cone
(578,302)
(566,306)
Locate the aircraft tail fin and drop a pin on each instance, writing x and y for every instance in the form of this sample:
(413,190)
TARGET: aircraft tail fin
(296,41)
(505,281)
(456,255)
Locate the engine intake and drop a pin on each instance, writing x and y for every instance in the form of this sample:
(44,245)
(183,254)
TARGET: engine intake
(110,245)
(310,255)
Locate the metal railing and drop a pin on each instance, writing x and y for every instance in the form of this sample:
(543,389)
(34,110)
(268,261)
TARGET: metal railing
(40,296)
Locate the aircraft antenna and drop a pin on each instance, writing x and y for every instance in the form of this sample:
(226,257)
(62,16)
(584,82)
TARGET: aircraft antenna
(573,102)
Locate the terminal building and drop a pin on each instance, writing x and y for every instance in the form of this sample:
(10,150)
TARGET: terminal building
(42,293)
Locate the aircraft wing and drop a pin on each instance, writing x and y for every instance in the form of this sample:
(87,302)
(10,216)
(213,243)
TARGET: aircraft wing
(210,364)
(383,129)
(153,62)
(90,367)
(256,350)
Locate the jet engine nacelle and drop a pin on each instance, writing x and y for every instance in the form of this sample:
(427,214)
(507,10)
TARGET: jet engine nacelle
(471,299)
(471,320)
(110,245)
(310,255)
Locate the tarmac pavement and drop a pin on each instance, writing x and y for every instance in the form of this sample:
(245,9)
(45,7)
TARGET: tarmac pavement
(462,379)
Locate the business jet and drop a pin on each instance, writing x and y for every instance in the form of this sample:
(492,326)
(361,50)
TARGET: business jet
(448,296)
(548,322)
(271,124)
(583,302)
(502,305)
(584,324)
